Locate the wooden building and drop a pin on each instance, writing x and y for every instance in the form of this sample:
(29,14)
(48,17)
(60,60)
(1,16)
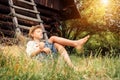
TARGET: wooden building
(50,11)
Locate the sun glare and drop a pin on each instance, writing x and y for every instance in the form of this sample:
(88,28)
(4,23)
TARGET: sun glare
(104,2)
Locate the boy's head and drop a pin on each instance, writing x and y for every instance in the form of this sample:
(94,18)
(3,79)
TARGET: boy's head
(36,32)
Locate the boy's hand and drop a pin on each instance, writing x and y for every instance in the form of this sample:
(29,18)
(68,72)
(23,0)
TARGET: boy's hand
(41,45)
(47,50)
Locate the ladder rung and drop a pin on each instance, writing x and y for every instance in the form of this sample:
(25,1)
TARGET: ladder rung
(30,3)
(26,17)
(24,27)
(17,7)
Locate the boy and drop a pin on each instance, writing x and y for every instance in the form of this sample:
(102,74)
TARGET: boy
(37,48)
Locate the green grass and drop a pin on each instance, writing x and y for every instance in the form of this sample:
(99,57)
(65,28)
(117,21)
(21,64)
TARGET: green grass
(15,65)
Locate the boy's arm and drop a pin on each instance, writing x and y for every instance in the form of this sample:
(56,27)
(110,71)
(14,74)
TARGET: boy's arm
(46,50)
(31,51)
(36,52)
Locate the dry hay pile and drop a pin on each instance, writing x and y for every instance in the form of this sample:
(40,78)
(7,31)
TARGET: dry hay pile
(13,50)
(8,41)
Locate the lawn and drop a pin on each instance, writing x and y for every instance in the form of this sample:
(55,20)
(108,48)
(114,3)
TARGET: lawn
(15,65)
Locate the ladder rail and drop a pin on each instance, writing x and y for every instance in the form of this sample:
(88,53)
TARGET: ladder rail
(38,16)
(15,21)
(13,12)
(16,15)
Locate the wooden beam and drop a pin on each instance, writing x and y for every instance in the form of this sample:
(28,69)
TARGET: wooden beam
(27,22)
(5,32)
(4,17)
(7,18)
(24,27)
(47,12)
(26,17)
(21,21)
(26,2)
(28,10)
(46,19)
(24,5)
(5,2)
(47,26)
(25,13)
(4,9)
(7,25)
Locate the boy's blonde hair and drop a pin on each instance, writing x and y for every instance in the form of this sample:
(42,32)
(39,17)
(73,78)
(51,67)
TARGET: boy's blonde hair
(32,29)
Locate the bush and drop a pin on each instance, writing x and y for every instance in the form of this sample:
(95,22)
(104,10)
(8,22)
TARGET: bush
(101,38)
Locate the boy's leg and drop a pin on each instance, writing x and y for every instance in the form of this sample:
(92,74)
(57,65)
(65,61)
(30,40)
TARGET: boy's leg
(66,42)
(64,54)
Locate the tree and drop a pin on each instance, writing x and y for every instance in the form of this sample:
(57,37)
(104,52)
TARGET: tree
(99,19)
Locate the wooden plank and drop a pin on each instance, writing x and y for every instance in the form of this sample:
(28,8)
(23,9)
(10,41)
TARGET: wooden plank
(25,13)
(48,12)
(46,19)
(7,25)
(7,31)
(20,21)
(24,9)
(24,27)
(30,3)
(26,17)
(4,17)
(4,9)
(21,4)
(27,22)
(47,26)
(5,2)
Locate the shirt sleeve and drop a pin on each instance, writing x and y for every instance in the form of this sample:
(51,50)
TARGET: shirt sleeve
(30,48)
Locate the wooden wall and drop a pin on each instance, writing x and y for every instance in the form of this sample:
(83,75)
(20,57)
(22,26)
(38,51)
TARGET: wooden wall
(50,12)
(6,25)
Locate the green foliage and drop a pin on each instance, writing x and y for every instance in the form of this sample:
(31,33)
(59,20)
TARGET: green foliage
(103,39)
(101,21)
(99,13)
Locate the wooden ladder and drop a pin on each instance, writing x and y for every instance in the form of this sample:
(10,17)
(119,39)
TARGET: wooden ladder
(15,15)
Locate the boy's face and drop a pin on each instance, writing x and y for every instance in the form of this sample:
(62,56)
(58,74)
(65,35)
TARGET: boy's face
(37,34)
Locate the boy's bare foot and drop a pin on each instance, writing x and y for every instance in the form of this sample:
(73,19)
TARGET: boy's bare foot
(81,42)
